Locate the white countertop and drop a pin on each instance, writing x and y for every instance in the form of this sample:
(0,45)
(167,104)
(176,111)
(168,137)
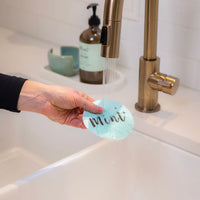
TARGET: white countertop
(177,123)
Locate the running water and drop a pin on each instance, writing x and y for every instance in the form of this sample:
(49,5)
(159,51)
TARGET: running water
(105,72)
(109,74)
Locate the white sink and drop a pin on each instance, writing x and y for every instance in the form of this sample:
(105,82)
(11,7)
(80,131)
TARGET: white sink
(29,142)
(137,168)
(115,81)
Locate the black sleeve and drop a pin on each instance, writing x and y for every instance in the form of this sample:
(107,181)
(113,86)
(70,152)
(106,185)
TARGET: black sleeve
(10,88)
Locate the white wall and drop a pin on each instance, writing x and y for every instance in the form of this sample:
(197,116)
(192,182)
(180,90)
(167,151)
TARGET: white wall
(62,21)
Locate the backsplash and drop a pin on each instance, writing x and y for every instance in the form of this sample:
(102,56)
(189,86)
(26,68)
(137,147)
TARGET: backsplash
(62,21)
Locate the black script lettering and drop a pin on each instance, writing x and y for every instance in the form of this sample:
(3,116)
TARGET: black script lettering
(107,121)
(123,119)
(100,121)
(114,119)
(95,122)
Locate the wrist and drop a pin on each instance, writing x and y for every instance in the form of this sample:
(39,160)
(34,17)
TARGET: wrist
(33,97)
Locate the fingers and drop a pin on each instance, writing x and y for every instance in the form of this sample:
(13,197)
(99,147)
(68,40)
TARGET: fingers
(82,94)
(78,123)
(74,118)
(87,104)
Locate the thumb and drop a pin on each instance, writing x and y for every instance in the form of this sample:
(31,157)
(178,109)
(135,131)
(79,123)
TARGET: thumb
(89,106)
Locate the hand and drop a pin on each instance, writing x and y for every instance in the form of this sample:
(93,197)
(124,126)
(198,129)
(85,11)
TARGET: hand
(61,104)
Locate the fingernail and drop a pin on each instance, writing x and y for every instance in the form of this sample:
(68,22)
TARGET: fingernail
(100,109)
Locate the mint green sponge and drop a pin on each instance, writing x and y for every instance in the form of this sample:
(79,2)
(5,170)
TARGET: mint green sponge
(116,122)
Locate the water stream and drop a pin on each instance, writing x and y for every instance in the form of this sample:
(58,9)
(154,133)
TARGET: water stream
(109,74)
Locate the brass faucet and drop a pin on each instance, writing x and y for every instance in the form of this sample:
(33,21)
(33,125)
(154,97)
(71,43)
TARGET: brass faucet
(150,79)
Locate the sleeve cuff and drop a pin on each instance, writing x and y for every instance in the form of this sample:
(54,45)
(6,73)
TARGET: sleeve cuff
(9,91)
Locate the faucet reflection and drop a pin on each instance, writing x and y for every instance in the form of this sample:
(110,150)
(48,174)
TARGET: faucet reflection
(150,79)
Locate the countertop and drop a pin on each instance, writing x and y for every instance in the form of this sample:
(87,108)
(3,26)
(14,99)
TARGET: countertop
(177,123)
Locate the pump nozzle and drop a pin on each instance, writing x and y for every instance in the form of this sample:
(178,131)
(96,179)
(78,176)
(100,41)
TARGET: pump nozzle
(94,20)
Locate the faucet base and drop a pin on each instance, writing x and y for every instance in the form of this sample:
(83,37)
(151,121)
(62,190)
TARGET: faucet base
(145,110)
(147,96)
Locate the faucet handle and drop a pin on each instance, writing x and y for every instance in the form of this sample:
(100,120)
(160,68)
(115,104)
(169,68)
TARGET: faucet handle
(164,83)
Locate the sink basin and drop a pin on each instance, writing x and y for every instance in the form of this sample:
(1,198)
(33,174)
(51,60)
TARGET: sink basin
(115,81)
(29,142)
(137,168)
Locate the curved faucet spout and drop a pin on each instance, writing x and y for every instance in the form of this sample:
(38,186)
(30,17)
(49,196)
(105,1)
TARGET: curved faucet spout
(150,79)
(110,37)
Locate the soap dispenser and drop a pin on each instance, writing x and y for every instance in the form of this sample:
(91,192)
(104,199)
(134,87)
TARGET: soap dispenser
(90,61)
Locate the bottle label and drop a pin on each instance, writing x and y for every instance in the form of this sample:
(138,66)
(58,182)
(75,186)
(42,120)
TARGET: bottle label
(90,57)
